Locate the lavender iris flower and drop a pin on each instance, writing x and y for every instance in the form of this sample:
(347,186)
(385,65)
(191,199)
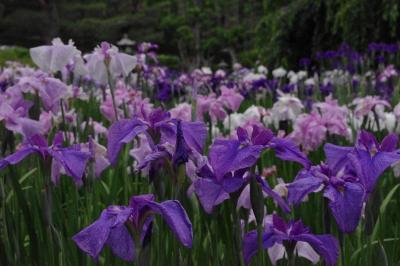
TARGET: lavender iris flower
(295,237)
(226,169)
(55,57)
(50,90)
(107,56)
(70,160)
(124,228)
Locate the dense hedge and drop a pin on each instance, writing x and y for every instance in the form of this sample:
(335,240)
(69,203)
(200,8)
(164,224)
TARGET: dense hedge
(206,31)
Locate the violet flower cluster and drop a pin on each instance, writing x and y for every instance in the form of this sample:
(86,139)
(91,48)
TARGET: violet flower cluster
(207,134)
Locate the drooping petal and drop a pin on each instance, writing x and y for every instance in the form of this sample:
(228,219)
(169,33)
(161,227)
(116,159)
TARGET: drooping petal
(16,157)
(346,205)
(122,132)
(250,243)
(210,193)
(304,184)
(175,216)
(73,161)
(121,243)
(93,238)
(275,196)
(195,134)
(287,150)
(325,245)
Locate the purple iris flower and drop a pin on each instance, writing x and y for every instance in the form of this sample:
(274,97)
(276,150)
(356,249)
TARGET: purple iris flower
(369,158)
(125,228)
(223,172)
(285,149)
(159,129)
(70,160)
(293,235)
(164,91)
(348,177)
(342,189)
(120,133)
(260,83)
(226,169)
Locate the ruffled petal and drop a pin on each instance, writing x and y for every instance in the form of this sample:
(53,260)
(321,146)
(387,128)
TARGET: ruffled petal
(122,132)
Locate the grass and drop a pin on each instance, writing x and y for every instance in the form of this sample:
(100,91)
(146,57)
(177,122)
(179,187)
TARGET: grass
(15,54)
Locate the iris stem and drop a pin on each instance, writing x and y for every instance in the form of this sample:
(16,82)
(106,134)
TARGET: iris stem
(342,245)
(110,85)
(291,256)
(260,230)
(63,124)
(326,216)
(238,235)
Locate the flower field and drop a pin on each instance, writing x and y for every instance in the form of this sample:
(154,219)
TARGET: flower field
(110,158)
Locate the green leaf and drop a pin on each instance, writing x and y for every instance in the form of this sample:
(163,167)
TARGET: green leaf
(382,210)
